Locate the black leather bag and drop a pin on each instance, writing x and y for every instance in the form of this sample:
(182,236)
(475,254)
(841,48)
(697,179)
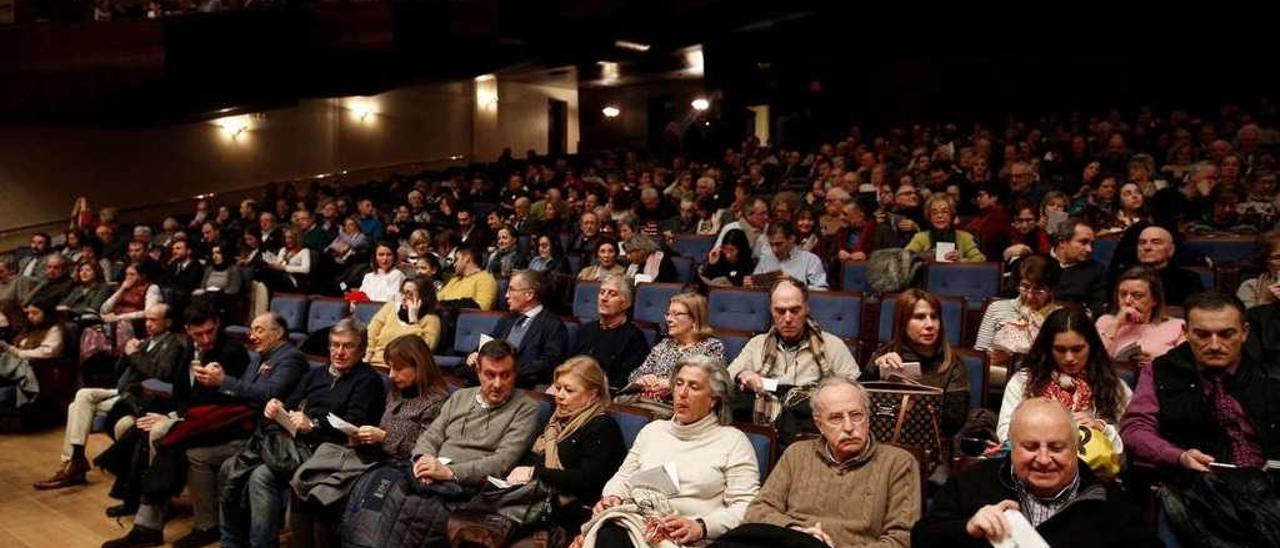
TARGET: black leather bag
(495,516)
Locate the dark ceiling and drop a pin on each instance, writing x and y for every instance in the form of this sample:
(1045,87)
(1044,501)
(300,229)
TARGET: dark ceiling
(154,72)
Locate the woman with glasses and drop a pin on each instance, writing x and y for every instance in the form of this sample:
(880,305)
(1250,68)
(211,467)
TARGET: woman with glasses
(1264,289)
(688,333)
(1027,236)
(940,213)
(1139,319)
(1009,326)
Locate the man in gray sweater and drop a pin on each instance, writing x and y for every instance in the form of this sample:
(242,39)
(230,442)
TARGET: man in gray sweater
(482,431)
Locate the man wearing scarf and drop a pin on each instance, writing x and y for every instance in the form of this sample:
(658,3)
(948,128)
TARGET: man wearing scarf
(781,366)
(806,501)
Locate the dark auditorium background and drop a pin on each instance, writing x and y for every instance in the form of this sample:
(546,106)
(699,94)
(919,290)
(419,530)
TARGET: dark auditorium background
(129,112)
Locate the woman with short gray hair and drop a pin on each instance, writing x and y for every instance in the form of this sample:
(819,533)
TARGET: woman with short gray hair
(649,263)
(716,465)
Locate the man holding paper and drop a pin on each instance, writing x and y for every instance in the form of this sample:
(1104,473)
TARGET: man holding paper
(779,366)
(1039,495)
(348,388)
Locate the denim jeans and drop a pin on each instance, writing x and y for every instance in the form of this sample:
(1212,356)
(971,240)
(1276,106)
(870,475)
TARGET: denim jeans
(266,496)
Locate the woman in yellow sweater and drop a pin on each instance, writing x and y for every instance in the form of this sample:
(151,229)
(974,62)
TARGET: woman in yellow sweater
(413,313)
(940,212)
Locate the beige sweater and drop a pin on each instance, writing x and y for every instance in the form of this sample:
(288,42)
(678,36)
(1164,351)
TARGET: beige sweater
(872,504)
(386,327)
(715,464)
(798,367)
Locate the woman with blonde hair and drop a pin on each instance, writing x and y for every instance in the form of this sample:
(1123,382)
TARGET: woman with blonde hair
(940,214)
(689,333)
(580,448)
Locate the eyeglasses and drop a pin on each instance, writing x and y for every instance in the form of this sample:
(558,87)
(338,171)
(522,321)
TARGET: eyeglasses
(838,419)
(1032,290)
(673,314)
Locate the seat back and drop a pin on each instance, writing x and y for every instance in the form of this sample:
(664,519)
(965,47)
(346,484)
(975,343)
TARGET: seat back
(694,246)
(733,342)
(741,309)
(293,308)
(684,268)
(650,334)
(630,420)
(366,311)
(651,302)
(501,302)
(973,281)
(584,301)
(837,312)
(324,312)
(953,309)
(764,440)
(575,263)
(472,324)
(1232,249)
(571,326)
(975,365)
(1207,278)
(853,276)
(1104,249)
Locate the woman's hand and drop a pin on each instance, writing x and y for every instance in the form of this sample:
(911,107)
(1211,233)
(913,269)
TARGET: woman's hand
(1088,420)
(952,256)
(681,529)
(890,361)
(370,435)
(1129,314)
(605,504)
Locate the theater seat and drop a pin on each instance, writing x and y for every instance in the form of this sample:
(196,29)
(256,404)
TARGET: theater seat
(651,302)
(976,367)
(366,311)
(741,309)
(630,420)
(324,312)
(733,343)
(501,302)
(584,301)
(694,246)
(466,338)
(684,268)
(1104,249)
(973,281)
(853,276)
(837,312)
(764,440)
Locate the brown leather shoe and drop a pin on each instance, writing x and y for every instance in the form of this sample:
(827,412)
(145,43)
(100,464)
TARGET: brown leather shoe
(72,473)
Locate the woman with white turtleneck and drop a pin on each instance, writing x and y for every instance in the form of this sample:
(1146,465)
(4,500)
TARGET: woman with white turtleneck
(714,464)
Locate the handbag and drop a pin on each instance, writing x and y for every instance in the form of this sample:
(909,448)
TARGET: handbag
(1097,451)
(279,451)
(492,517)
(908,414)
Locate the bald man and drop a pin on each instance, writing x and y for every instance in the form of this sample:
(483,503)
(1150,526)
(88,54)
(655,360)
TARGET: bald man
(1042,479)
(1155,251)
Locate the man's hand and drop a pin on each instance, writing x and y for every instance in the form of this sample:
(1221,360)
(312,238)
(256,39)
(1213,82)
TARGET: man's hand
(907,225)
(428,469)
(210,375)
(301,422)
(1193,459)
(273,408)
(750,381)
(472,359)
(146,422)
(132,346)
(989,522)
(816,532)
(520,475)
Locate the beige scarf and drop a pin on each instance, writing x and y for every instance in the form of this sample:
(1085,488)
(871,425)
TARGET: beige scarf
(560,428)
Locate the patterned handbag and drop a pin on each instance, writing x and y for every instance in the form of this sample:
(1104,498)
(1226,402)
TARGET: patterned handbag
(908,414)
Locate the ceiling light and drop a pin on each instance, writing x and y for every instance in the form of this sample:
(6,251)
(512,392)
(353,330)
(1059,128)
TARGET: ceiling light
(633,46)
(610,111)
(700,104)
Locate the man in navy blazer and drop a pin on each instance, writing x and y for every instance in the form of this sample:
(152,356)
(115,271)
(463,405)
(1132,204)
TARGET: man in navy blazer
(540,338)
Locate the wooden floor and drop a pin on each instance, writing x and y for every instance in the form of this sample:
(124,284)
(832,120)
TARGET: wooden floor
(71,517)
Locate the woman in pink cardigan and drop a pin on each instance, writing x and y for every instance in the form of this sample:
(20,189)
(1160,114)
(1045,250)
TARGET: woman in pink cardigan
(1140,318)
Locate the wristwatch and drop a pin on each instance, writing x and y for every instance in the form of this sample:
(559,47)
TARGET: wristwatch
(315,424)
(703,524)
